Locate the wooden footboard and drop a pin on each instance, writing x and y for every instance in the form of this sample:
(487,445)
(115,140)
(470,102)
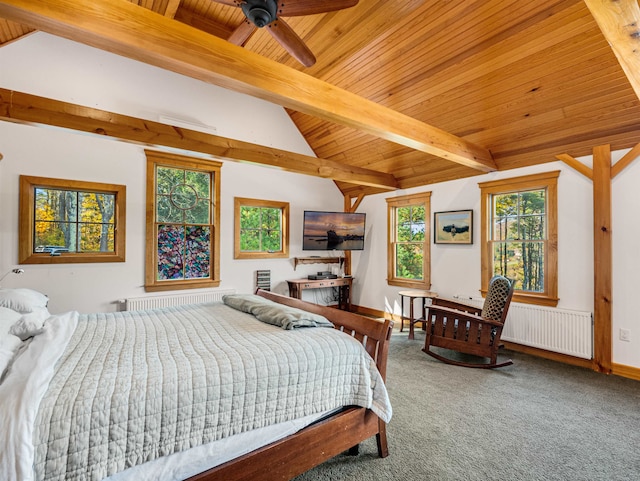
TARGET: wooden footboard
(321,441)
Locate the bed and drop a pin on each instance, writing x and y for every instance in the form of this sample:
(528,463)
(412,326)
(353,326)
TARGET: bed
(192,378)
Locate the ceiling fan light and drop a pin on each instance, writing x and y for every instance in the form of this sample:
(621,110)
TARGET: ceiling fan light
(259,17)
(260,12)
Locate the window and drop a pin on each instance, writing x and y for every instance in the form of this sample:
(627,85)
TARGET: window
(70,221)
(183,212)
(408,257)
(261,229)
(519,233)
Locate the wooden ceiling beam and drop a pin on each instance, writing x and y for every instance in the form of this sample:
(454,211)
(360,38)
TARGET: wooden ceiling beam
(619,21)
(135,32)
(29,109)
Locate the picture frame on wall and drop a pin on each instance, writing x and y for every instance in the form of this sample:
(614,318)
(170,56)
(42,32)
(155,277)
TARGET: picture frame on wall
(453,227)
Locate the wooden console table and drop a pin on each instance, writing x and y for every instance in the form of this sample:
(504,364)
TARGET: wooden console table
(296,286)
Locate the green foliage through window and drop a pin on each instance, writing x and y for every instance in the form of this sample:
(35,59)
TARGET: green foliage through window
(260,229)
(410,237)
(519,237)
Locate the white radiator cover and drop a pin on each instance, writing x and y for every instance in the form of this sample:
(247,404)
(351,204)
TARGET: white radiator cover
(558,330)
(153,302)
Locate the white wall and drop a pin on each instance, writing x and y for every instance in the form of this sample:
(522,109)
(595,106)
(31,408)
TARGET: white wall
(52,67)
(455,269)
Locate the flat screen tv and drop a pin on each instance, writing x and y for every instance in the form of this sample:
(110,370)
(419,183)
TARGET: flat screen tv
(333,230)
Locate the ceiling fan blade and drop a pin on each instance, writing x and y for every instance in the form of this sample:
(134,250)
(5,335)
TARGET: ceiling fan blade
(241,34)
(311,7)
(231,3)
(292,43)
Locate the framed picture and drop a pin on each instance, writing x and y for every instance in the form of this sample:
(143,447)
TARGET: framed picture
(453,227)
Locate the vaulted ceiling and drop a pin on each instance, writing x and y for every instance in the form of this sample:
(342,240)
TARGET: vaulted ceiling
(444,89)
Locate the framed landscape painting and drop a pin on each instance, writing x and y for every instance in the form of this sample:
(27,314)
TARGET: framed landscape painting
(453,227)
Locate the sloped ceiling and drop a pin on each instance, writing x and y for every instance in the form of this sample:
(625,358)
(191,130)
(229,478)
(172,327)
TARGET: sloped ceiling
(477,85)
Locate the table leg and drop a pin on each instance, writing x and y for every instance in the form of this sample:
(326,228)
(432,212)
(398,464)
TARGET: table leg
(411,318)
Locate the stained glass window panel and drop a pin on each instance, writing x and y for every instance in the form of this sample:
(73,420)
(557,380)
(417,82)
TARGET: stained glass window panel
(197,249)
(171,244)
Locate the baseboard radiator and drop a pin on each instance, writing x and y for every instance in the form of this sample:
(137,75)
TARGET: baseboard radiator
(558,330)
(153,302)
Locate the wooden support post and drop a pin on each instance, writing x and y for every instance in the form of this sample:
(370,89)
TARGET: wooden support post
(603,259)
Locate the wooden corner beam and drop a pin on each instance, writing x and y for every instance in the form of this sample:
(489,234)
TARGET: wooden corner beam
(576,164)
(627,159)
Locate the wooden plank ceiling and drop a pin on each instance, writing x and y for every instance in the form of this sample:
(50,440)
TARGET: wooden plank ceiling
(524,81)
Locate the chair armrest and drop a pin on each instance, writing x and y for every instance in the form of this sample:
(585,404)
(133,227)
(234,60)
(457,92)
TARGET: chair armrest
(461,315)
(456,305)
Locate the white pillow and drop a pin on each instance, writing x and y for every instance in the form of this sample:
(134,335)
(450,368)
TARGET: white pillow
(30,323)
(22,300)
(8,317)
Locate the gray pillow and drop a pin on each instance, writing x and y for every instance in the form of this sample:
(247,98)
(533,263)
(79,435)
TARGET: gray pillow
(273,313)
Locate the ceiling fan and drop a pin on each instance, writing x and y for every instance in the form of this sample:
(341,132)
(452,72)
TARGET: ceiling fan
(269,13)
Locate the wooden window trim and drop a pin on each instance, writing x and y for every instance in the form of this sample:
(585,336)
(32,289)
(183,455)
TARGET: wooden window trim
(240,202)
(545,180)
(173,160)
(28,185)
(403,201)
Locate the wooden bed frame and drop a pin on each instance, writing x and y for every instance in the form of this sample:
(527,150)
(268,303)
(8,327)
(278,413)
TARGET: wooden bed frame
(321,441)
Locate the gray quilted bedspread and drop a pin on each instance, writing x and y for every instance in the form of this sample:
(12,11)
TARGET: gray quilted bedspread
(135,386)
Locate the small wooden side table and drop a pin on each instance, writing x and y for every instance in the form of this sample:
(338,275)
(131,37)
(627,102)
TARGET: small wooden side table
(412,296)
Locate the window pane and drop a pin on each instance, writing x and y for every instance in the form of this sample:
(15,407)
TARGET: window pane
(200,214)
(95,207)
(271,241)
(505,228)
(271,218)
(250,240)
(403,215)
(417,214)
(522,262)
(506,204)
(59,236)
(409,261)
(167,211)
(53,204)
(249,217)
(404,233)
(532,227)
(200,181)
(97,238)
(170,252)
(167,179)
(532,202)
(417,231)
(198,247)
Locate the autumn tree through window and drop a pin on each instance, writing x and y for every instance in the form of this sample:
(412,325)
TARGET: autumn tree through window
(70,221)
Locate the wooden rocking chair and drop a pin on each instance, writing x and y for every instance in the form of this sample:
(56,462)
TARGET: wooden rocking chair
(470,330)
